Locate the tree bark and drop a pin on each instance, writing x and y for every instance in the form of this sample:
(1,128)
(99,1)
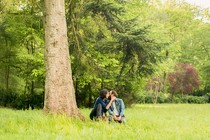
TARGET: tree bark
(59,90)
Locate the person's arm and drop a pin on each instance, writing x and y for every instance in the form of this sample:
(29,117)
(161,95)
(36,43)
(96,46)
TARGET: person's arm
(122,107)
(95,103)
(110,110)
(110,102)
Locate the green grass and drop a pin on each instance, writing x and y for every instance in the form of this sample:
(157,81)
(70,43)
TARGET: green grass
(144,122)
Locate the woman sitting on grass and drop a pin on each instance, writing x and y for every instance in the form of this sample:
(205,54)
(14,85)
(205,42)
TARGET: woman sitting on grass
(101,105)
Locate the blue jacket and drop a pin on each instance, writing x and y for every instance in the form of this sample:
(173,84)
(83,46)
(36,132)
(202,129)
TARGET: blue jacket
(119,105)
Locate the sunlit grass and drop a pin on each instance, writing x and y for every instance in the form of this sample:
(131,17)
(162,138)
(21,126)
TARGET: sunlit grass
(180,121)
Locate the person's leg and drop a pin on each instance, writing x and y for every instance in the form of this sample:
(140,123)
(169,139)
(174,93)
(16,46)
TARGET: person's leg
(99,110)
(123,119)
(110,118)
(93,113)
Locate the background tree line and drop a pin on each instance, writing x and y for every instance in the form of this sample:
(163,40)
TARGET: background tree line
(148,51)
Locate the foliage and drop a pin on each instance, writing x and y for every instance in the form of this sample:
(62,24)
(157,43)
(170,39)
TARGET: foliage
(116,49)
(22,58)
(184,79)
(150,98)
(9,98)
(155,84)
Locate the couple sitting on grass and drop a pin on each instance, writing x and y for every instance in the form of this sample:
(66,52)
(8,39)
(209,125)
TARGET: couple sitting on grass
(108,101)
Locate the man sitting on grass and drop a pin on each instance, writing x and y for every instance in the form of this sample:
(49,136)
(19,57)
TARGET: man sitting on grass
(117,108)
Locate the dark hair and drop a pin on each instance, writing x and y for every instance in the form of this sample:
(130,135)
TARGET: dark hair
(103,93)
(114,93)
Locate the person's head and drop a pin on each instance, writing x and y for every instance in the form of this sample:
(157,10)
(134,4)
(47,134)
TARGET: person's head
(113,93)
(103,93)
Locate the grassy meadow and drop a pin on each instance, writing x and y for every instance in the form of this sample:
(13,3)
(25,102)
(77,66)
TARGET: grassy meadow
(144,122)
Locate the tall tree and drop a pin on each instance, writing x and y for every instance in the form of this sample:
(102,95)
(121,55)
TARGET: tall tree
(59,90)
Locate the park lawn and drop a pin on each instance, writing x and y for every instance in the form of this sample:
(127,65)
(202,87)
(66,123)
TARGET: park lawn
(144,122)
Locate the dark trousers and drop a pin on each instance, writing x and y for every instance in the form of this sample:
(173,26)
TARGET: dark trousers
(99,110)
(96,112)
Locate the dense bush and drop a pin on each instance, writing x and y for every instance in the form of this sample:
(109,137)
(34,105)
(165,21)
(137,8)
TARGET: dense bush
(208,97)
(184,79)
(21,101)
(147,98)
(36,100)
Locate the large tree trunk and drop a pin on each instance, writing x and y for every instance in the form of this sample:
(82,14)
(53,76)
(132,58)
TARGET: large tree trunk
(59,90)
